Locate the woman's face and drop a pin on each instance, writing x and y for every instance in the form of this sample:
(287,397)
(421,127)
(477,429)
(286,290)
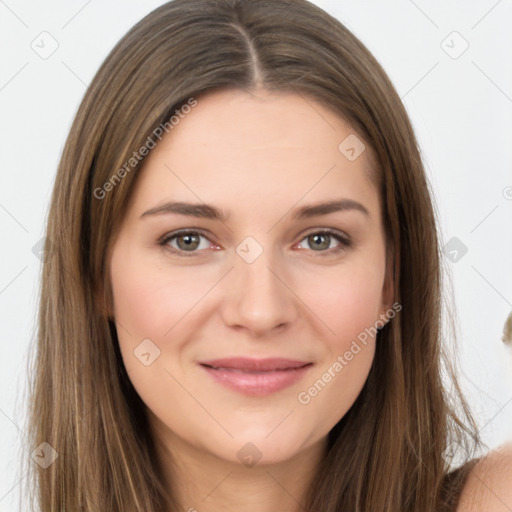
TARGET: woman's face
(256,276)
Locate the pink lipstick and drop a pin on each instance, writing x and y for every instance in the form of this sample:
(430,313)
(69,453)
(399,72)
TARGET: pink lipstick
(256,377)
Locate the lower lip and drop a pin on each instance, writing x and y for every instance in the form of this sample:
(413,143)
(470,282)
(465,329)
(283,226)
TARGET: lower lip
(257,384)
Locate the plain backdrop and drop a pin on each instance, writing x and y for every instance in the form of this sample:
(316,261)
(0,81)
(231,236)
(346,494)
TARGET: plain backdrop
(451,63)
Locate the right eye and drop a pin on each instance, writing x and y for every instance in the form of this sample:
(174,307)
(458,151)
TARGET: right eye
(186,241)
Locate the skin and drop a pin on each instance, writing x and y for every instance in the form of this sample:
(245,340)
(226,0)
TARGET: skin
(257,157)
(488,486)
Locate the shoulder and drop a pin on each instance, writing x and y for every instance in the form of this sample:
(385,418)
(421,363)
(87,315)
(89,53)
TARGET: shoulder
(489,484)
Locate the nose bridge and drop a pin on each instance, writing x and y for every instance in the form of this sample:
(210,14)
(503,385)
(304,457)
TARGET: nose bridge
(258,298)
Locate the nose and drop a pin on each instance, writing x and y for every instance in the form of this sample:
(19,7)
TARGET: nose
(257,297)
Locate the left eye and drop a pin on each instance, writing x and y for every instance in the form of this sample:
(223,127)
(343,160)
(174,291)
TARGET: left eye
(322,240)
(190,241)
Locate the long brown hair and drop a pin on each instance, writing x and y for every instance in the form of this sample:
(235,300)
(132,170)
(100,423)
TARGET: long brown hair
(386,453)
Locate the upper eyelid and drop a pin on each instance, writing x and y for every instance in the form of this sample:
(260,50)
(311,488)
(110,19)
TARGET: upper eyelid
(330,231)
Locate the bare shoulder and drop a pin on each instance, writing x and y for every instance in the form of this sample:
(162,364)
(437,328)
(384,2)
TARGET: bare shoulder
(489,484)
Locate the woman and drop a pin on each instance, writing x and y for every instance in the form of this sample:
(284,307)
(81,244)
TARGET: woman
(242,304)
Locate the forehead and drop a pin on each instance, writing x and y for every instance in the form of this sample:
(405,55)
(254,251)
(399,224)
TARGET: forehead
(236,121)
(257,149)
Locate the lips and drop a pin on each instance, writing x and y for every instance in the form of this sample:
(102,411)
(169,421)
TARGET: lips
(256,377)
(254,365)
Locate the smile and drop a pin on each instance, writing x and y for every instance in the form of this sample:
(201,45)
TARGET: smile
(256,377)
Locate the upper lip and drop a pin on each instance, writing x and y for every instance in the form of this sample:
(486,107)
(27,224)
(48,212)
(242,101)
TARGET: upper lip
(249,364)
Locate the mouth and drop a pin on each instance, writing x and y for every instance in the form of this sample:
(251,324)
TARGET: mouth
(256,377)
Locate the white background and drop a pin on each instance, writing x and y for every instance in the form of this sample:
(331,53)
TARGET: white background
(461,109)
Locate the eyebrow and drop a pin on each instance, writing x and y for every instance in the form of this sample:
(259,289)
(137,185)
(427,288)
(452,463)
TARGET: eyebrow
(207,211)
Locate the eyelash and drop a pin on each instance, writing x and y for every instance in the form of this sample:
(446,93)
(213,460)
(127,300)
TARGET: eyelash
(345,243)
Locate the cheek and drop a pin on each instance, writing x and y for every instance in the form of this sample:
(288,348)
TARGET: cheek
(150,300)
(352,305)
(350,311)
(334,387)
(148,303)
(156,303)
